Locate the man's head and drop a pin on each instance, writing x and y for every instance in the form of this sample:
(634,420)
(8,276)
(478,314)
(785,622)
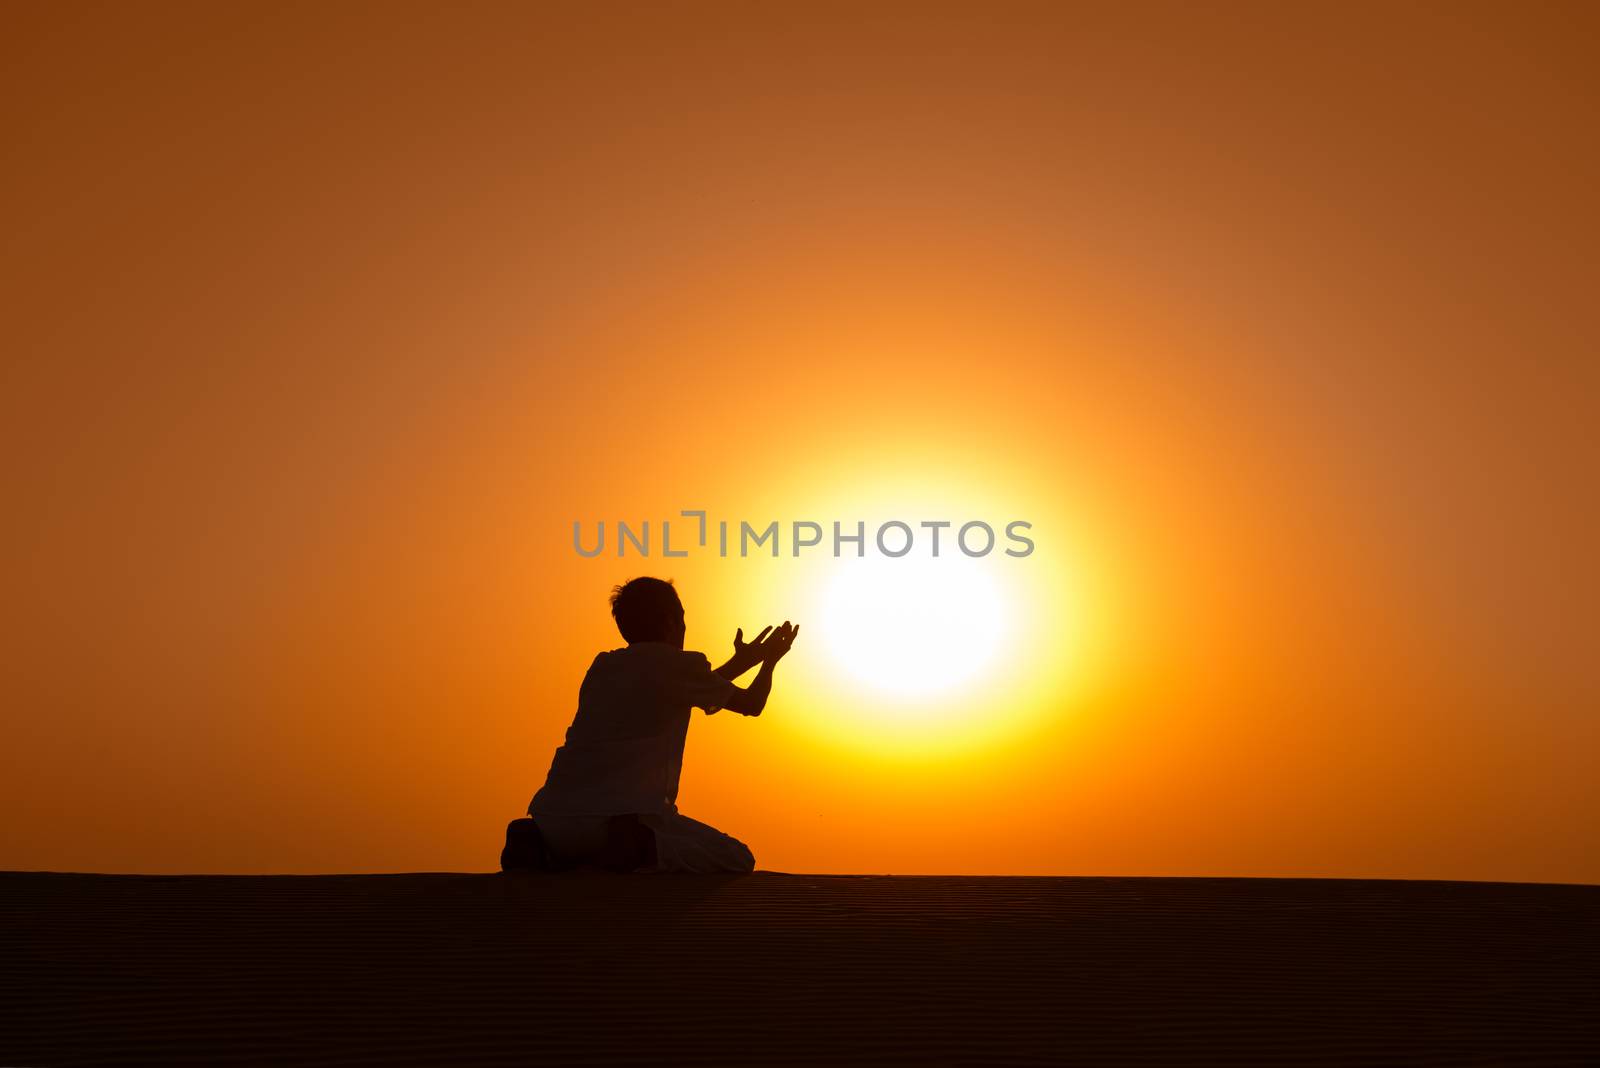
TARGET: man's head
(648,610)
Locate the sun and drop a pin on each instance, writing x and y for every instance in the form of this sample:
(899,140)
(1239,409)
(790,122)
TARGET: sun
(913,627)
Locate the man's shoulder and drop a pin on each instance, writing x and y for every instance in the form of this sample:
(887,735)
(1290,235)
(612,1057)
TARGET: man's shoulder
(687,662)
(606,662)
(652,655)
(662,651)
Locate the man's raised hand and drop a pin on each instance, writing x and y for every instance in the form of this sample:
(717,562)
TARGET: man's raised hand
(777,646)
(748,654)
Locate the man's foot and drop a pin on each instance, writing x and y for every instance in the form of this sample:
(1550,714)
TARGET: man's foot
(525,849)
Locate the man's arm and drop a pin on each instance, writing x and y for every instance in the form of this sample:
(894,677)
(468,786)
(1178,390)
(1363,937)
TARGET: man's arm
(733,668)
(746,655)
(750,700)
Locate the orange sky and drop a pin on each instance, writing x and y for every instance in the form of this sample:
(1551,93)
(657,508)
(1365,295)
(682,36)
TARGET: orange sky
(1278,324)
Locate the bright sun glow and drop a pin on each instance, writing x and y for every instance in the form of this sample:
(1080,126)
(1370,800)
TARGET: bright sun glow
(913,627)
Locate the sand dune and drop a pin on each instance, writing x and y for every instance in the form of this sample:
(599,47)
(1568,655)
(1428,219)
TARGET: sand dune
(594,968)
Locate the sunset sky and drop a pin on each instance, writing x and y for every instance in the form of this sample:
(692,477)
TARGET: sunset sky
(325,323)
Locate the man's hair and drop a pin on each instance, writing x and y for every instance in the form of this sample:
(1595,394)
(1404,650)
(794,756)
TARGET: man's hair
(646,609)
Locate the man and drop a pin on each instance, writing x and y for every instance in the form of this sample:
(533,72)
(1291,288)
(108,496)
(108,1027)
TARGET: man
(610,798)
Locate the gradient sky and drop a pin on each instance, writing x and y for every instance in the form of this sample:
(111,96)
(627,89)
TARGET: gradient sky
(323,324)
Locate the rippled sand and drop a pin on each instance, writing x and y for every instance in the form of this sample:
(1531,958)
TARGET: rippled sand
(596,968)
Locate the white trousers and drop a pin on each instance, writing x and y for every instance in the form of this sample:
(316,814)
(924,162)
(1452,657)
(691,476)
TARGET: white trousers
(682,844)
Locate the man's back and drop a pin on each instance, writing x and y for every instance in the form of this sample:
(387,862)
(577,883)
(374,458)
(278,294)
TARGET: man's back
(624,750)
(642,690)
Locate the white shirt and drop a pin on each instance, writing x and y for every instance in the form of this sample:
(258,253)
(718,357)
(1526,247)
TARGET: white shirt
(624,750)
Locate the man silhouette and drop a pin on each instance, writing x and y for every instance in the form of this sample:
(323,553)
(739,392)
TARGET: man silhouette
(610,797)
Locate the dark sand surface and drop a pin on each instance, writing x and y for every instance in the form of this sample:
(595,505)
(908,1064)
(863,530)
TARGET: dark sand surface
(590,967)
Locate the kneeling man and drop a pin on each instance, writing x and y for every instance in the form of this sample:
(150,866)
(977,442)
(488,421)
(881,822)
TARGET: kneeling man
(610,798)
